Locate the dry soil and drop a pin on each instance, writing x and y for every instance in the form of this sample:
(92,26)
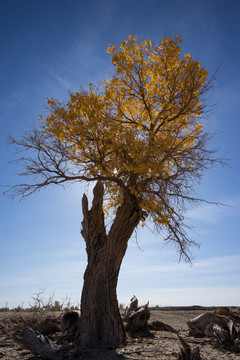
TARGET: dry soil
(159,345)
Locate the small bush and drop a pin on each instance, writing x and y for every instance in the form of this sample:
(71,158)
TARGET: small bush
(121,306)
(4,309)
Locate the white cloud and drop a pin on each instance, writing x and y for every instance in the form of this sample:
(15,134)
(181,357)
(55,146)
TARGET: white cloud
(204,296)
(191,284)
(216,268)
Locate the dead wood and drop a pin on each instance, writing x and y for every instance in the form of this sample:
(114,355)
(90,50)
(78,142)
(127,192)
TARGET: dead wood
(223,310)
(49,326)
(222,334)
(41,345)
(70,327)
(186,352)
(70,321)
(161,326)
(137,325)
(133,305)
(137,321)
(198,326)
(219,325)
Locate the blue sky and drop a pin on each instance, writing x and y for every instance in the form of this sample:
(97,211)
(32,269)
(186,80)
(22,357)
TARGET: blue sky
(50,47)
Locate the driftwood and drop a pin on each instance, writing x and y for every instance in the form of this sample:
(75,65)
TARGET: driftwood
(49,326)
(70,321)
(221,325)
(137,318)
(41,345)
(202,325)
(137,324)
(161,326)
(186,352)
(133,305)
(198,325)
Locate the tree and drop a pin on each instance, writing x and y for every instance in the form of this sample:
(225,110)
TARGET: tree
(138,136)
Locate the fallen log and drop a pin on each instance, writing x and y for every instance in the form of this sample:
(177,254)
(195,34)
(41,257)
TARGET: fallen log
(137,325)
(198,325)
(161,326)
(221,334)
(186,352)
(41,345)
(70,321)
(222,327)
(49,326)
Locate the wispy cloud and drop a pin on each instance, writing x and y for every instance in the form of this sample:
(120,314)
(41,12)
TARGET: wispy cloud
(204,296)
(85,61)
(215,265)
(211,214)
(64,277)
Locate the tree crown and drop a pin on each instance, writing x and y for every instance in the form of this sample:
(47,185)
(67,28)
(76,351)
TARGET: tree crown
(138,132)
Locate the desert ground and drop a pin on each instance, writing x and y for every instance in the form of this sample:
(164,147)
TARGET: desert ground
(162,345)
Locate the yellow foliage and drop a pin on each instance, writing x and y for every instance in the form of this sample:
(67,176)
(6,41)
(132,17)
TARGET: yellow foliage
(139,127)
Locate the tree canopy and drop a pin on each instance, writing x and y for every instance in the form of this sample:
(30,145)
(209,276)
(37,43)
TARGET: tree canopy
(139,132)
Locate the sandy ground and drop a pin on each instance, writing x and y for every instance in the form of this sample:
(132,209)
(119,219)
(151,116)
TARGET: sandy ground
(159,345)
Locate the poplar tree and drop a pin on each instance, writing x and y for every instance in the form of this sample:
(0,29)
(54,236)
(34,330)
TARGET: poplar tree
(139,137)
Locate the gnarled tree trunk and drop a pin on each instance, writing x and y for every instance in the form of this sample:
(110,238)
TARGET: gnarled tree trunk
(101,323)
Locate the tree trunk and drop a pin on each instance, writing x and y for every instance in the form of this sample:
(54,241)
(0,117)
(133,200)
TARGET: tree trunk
(101,323)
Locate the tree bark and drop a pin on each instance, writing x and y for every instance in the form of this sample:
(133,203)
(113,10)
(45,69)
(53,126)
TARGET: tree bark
(101,323)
